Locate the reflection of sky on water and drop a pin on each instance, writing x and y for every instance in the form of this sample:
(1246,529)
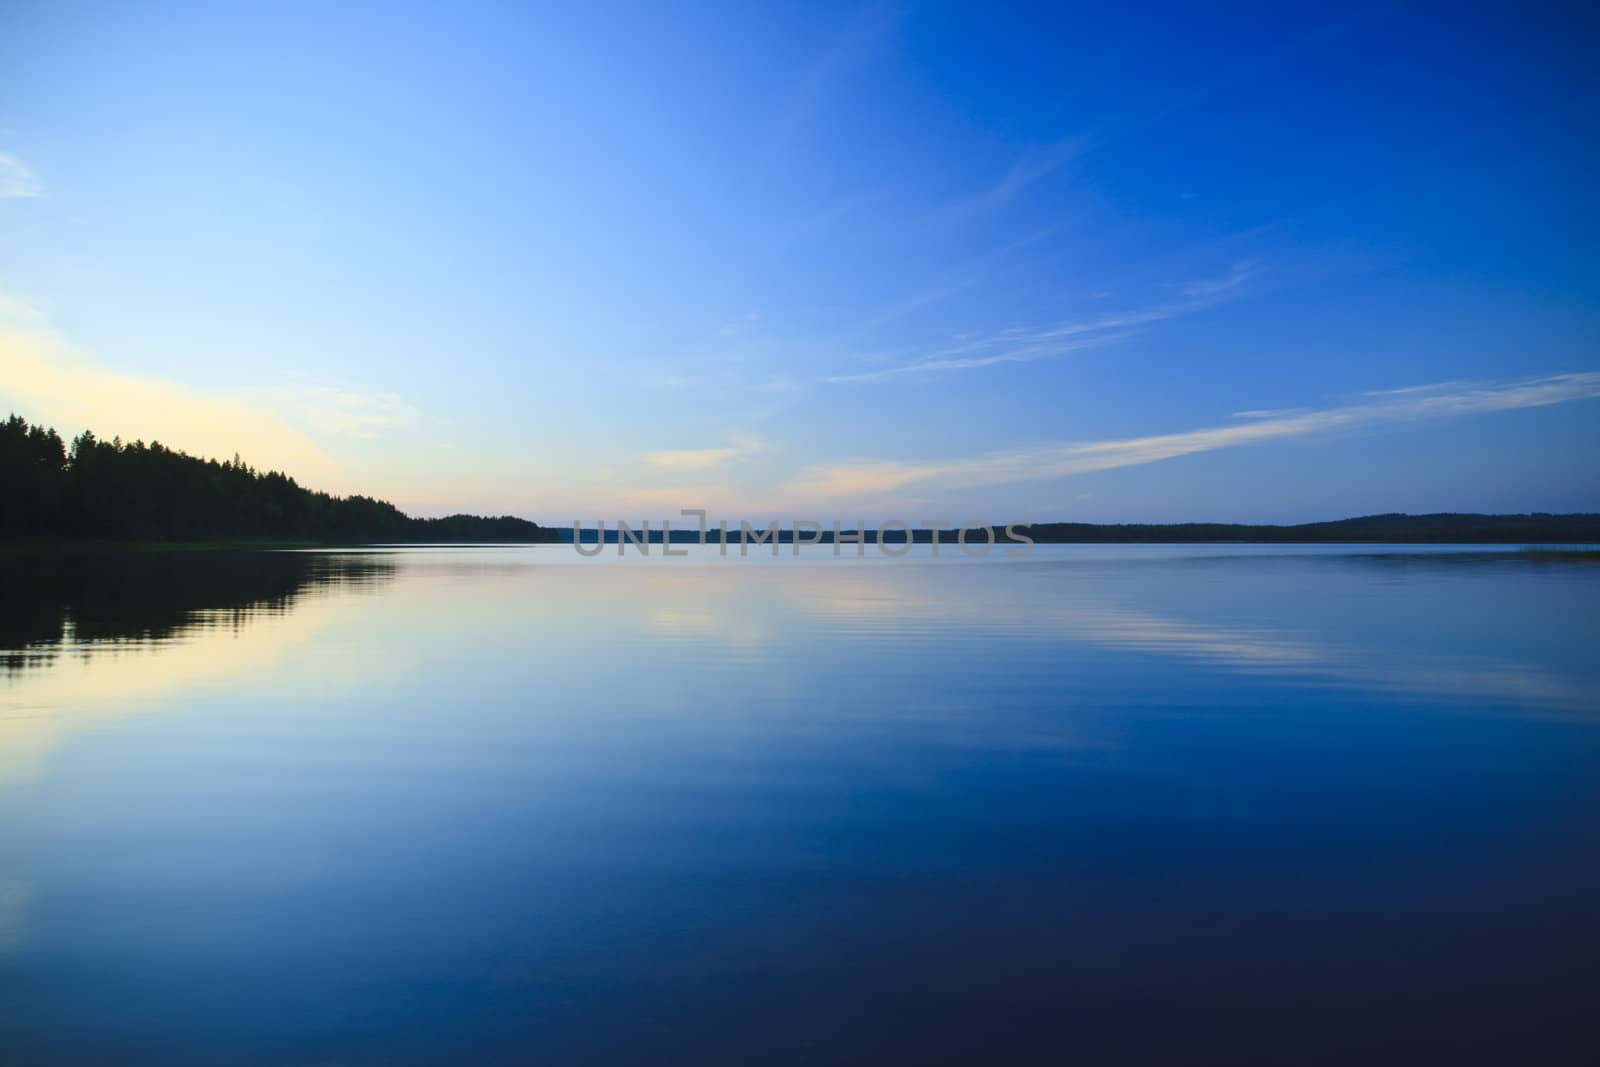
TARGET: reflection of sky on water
(478,805)
(1108,616)
(1205,609)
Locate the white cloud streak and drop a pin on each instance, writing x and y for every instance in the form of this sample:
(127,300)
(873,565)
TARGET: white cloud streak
(860,477)
(17,180)
(1024,353)
(693,459)
(1023,345)
(1029,168)
(341,412)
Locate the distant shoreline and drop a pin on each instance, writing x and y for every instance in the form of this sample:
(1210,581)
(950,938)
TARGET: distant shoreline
(1396,529)
(108,493)
(1443,528)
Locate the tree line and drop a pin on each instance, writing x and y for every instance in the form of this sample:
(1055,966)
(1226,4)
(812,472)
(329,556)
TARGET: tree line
(111,490)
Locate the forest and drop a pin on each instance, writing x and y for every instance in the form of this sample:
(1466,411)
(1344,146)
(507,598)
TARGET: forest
(110,490)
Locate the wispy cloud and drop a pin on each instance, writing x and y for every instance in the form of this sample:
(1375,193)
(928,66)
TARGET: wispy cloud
(1268,413)
(1025,353)
(740,325)
(1209,288)
(1024,345)
(1028,169)
(1069,458)
(342,411)
(969,275)
(809,96)
(670,500)
(694,459)
(17,180)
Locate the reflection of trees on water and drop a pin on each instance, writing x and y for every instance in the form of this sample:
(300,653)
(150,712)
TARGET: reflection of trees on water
(58,601)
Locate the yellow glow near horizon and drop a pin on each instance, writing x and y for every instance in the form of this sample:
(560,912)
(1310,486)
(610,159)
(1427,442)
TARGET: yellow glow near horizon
(46,380)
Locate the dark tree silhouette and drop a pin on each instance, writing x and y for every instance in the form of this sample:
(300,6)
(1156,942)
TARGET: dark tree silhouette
(60,599)
(116,491)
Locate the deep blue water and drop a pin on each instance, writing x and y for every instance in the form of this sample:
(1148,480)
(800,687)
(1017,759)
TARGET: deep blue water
(491,805)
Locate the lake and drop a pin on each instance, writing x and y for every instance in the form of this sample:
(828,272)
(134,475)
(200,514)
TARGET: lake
(507,805)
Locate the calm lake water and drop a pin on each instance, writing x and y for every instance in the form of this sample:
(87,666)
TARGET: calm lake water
(506,805)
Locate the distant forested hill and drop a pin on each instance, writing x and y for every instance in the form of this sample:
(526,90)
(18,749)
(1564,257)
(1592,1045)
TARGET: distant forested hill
(1446,528)
(111,490)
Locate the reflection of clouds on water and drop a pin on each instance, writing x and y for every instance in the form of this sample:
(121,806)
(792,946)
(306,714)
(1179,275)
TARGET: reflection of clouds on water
(684,621)
(1260,652)
(1226,646)
(896,606)
(822,638)
(891,612)
(868,603)
(15,898)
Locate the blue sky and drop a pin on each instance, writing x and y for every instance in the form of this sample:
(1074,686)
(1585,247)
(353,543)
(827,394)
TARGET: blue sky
(1136,263)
